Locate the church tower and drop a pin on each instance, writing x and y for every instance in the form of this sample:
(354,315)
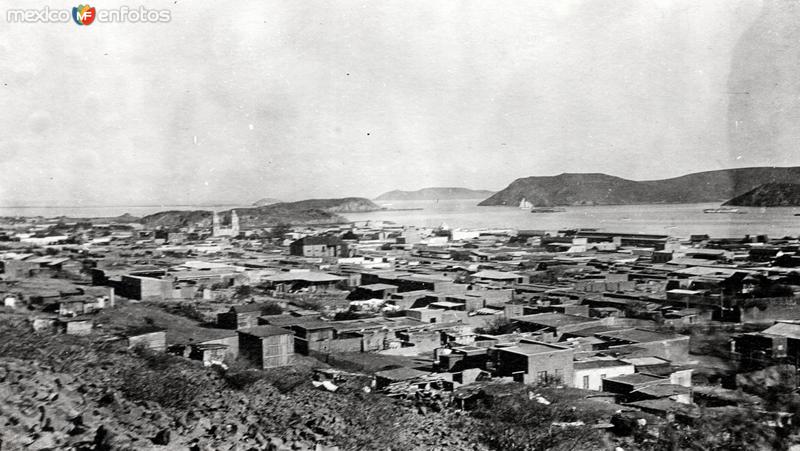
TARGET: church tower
(215,224)
(234,223)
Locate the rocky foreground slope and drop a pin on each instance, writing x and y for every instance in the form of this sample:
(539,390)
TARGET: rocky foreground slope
(603,189)
(65,392)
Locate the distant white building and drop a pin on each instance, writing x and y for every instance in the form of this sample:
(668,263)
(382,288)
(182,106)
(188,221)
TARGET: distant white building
(45,241)
(233,230)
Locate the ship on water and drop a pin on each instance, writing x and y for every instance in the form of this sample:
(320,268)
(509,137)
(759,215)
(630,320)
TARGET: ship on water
(723,210)
(548,210)
(524,204)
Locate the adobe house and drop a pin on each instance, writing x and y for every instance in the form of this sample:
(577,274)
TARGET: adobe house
(72,307)
(531,361)
(643,342)
(152,338)
(372,291)
(589,374)
(498,277)
(76,326)
(333,336)
(460,358)
(777,342)
(44,323)
(319,246)
(302,280)
(267,346)
(556,323)
(625,384)
(209,354)
(16,269)
(240,317)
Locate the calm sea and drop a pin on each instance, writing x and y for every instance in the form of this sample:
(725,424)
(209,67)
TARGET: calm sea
(679,220)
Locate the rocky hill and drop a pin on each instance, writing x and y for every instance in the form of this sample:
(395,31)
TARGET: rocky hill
(305,212)
(177,218)
(90,393)
(769,195)
(435,193)
(603,189)
(342,205)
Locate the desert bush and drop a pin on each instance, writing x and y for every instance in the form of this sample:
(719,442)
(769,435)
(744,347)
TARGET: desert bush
(496,326)
(286,379)
(187,310)
(239,374)
(170,389)
(165,379)
(271,308)
(242,292)
(346,315)
(517,423)
(734,430)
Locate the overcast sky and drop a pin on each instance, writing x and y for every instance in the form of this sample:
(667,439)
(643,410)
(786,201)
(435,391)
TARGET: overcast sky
(231,102)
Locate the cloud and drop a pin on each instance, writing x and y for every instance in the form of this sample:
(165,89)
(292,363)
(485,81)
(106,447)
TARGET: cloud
(357,98)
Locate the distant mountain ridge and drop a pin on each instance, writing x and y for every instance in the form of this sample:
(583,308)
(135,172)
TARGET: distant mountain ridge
(266,201)
(434,193)
(304,212)
(602,189)
(769,195)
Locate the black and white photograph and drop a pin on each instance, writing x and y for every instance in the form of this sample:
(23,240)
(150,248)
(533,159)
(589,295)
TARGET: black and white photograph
(386,225)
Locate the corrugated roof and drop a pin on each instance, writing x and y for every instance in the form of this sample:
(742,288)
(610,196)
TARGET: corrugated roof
(401,374)
(789,330)
(304,277)
(265,331)
(589,364)
(635,379)
(554,319)
(245,308)
(531,348)
(378,286)
(497,275)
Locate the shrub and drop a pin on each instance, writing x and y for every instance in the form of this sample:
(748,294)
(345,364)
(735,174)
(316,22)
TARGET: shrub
(271,308)
(163,379)
(242,292)
(497,326)
(169,388)
(346,315)
(187,310)
(517,423)
(241,379)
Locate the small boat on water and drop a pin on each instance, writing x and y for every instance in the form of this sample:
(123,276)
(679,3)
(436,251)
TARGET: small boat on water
(723,210)
(547,210)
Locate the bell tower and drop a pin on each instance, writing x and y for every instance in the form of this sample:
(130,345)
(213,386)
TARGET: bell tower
(215,224)
(234,223)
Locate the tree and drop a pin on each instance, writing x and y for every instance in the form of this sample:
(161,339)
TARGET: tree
(519,423)
(243,292)
(346,315)
(734,429)
(271,308)
(634,309)
(279,231)
(496,326)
